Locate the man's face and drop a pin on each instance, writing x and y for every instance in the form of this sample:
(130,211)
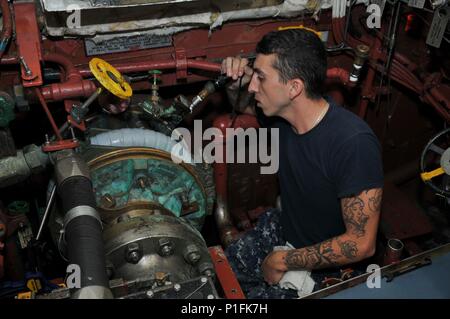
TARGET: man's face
(271,94)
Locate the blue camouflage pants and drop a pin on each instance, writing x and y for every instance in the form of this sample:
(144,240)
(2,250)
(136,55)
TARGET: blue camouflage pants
(247,254)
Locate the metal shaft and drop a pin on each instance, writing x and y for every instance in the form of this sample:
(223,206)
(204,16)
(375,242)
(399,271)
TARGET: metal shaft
(47,210)
(91,99)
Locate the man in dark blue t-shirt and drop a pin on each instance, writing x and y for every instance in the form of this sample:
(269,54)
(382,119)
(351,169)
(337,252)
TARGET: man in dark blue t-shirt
(330,170)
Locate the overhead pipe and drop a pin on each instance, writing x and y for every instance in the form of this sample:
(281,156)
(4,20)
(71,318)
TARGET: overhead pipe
(144,66)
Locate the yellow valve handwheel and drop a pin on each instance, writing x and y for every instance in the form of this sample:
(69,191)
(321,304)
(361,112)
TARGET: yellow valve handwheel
(318,33)
(426,176)
(110,78)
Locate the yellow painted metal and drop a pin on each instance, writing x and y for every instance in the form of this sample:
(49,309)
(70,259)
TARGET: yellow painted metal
(319,34)
(110,78)
(426,176)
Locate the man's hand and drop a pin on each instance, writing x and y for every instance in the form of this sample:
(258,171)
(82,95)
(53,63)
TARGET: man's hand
(274,267)
(236,67)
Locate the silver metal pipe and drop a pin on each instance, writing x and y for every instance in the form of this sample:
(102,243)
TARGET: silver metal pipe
(47,210)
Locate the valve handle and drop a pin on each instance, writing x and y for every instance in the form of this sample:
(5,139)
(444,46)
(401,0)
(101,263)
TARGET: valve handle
(110,78)
(426,176)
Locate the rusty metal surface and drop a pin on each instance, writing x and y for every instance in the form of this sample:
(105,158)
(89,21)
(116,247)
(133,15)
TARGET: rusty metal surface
(225,274)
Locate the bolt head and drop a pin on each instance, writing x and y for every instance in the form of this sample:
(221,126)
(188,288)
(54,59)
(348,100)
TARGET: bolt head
(165,247)
(166,250)
(194,257)
(107,201)
(133,253)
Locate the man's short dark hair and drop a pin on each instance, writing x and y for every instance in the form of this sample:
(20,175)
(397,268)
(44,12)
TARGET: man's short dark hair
(300,54)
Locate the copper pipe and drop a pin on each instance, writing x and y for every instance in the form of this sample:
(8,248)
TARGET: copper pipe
(47,111)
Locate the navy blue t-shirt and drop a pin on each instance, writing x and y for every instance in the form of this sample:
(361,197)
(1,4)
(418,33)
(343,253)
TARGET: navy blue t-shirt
(339,157)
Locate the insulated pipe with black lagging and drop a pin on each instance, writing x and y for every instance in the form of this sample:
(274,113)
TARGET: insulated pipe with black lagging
(82,225)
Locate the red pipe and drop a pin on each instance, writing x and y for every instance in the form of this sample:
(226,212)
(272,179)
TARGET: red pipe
(399,80)
(336,31)
(368,83)
(339,73)
(159,65)
(225,225)
(69,68)
(47,111)
(68,90)
(76,87)
(204,65)
(437,94)
(406,77)
(443,112)
(7,26)
(136,67)
(73,87)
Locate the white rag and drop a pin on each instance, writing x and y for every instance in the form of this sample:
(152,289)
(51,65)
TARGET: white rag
(299,280)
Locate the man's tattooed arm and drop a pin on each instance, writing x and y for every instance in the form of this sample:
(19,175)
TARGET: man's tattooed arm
(361,215)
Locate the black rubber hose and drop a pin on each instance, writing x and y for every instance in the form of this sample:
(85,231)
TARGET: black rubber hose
(83,234)
(76,191)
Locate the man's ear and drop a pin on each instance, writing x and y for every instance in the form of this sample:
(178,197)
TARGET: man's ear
(297,87)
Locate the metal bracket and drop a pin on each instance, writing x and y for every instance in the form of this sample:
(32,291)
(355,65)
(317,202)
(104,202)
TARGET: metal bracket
(29,43)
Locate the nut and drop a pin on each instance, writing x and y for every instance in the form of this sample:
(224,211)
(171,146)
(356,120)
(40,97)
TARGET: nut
(206,269)
(107,201)
(192,254)
(133,253)
(165,247)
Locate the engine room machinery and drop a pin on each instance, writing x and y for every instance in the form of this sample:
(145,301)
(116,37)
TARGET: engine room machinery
(94,95)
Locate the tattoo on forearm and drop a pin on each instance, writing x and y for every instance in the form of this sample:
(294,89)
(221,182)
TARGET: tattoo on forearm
(375,200)
(348,248)
(316,256)
(354,217)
